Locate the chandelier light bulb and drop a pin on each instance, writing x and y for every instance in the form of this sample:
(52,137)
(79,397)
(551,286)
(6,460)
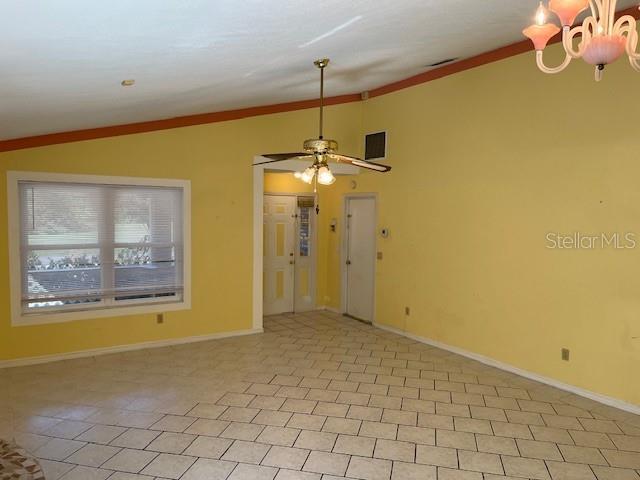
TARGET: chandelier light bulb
(541,15)
(298,175)
(325,177)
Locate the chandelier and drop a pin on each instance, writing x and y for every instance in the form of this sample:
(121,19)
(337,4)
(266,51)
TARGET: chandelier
(603,39)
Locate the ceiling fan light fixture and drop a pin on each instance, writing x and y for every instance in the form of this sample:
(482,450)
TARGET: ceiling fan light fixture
(325,177)
(307,175)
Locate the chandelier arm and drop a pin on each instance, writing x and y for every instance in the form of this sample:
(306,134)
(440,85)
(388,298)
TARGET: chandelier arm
(634,64)
(596,8)
(611,15)
(558,69)
(568,34)
(627,24)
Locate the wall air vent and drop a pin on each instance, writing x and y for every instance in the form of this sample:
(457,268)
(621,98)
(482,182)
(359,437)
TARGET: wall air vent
(375,146)
(442,62)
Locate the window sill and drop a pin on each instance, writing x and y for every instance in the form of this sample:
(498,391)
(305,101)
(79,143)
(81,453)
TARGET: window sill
(21,320)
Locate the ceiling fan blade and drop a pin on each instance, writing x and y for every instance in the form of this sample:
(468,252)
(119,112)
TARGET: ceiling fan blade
(357,162)
(280,157)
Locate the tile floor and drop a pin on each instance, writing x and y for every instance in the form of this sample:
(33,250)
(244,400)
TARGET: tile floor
(317,396)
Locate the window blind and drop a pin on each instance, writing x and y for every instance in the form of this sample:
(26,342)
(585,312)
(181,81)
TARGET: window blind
(96,246)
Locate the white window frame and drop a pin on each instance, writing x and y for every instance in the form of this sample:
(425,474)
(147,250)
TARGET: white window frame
(18,318)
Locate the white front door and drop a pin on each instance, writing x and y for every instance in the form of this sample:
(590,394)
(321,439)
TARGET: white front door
(279,253)
(361,257)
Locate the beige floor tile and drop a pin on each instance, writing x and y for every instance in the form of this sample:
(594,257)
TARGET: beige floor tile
(86,473)
(284,474)
(570,471)
(512,430)
(242,431)
(369,468)
(364,413)
(439,456)
(549,434)
(246,452)
(135,438)
(525,467)
(54,470)
(68,429)
(540,450)
(169,442)
(622,459)
(311,440)
(626,442)
(278,436)
(480,462)
(450,474)
(352,445)
(207,469)
(208,447)
(453,409)
(400,417)
(130,461)
(273,418)
(253,472)
(472,425)
(382,401)
(612,473)
(378,430)
(591,439)
(346,426)
(92,455)
(559,421)
(267,403)
(602,426)
(169,466)
(235,400)
(101,434)
(207,410)
(205,426)
(58,449)
(331,409)
(305,421)
(326,463)
(588,455)
(173,423)
(412,471)
(395,450)
(460,440)
(239,414)
(498,445)
(286,457)
(420,435)
(443,422)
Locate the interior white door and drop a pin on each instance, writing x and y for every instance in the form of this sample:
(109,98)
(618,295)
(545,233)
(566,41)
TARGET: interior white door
(279,253)
(360,253)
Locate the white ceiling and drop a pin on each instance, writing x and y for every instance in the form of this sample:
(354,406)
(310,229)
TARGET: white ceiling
(62,61)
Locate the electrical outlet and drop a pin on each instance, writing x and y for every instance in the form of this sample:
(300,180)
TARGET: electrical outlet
(565,354)
(407,311)
(160,318)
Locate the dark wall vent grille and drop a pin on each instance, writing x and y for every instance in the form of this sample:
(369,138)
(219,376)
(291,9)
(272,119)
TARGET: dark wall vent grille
(375,146)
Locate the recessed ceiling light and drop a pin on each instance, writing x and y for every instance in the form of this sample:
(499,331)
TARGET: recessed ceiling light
(128,83)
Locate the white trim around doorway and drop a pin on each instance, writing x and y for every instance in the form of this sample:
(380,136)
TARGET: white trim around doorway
(258,212)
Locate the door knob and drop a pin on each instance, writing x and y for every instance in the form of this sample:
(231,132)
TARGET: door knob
(291,262)
(348,262)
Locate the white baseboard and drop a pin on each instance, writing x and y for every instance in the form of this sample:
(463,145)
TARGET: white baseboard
(604,399)
(21,362)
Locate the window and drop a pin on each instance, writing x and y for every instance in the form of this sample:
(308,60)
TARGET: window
(95,244)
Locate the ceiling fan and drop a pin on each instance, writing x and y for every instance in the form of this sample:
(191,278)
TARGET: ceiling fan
(321,150)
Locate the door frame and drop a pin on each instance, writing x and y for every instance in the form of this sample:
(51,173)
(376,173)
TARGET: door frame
(258,220)
(344,250)
(314,239)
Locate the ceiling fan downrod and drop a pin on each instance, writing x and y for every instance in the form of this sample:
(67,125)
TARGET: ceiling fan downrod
(321,64)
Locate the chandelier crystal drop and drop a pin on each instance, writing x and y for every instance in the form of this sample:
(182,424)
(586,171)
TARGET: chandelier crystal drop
(601,38)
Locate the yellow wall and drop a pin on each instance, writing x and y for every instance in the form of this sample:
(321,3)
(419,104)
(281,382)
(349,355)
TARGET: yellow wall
(217,159)
(486,163)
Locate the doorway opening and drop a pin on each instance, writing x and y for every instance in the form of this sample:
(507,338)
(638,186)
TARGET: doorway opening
(290,253)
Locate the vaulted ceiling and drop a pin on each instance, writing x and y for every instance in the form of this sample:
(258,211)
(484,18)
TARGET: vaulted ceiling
(62,61)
